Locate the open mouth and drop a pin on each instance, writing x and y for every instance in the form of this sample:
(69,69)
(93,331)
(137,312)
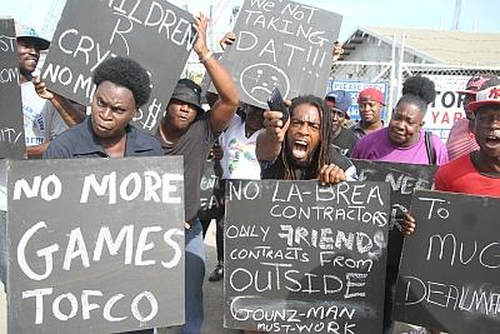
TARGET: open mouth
(299,149)
(492,140)
(31,61)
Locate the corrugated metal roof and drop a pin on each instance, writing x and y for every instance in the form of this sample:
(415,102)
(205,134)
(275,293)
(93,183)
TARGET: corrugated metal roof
(445,46)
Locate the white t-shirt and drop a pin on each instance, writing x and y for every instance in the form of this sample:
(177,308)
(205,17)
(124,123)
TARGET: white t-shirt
(34,122)
(42,121)
(239,160)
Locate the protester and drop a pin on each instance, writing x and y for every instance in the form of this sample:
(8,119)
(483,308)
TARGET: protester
(186,130)
(238,162)
(371,102)
(339,102)
(478,172)
(404,140)
(122,87)
(299,149)
(38,114)
(461,140)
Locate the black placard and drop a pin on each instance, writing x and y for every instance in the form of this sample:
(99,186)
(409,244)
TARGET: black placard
(157,34)
(99,241)
(210,191)
(450,269)
(300,257)
(11,118)
(281,44)
(403,179)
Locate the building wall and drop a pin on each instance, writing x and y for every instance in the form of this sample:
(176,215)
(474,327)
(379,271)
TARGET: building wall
(373,49)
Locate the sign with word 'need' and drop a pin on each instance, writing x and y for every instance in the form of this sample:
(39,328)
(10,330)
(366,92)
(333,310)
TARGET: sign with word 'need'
(281,44)
(156,34)
(305,258)
(402,179)
(92,244)
(11,118)
(450,269)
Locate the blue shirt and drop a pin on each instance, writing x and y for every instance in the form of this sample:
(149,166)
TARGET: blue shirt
(80,141)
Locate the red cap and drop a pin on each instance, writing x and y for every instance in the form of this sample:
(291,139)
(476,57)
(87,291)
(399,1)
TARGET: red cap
(476,82)
(373,94)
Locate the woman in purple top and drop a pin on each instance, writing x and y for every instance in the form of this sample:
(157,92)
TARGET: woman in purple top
(404,139)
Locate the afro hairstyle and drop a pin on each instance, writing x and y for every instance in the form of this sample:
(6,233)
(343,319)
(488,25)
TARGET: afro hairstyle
(419,91)
(127,73)
(421,87)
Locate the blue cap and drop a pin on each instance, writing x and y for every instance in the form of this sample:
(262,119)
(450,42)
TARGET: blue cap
(342,100)
(29,33)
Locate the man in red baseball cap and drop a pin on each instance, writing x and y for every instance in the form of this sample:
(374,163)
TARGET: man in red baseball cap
(370,101)
(476,173)
(461,140)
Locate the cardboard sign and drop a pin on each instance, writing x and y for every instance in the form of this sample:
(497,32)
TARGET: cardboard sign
(354,88)
(11,118)
(95,245)
(449,276)
(281,44)
(158,35)
(3,222)
(209,186)
(305,258)
(403,179)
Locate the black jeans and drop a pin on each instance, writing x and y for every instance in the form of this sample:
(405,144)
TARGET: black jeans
(219,235)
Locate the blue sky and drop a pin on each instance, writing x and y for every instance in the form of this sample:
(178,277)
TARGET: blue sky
(476,15)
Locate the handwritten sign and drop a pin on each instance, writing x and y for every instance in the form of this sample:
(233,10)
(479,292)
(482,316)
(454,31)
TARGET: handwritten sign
(449,275)
(92,244)
(403,179)
(210,207)
(3,221)
(281,44)
(300,257)
(11,118)
(156,34)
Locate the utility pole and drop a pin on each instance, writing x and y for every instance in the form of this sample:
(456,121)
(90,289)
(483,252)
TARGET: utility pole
(456,17)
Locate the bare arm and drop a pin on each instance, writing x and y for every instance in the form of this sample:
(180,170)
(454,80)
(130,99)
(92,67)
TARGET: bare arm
(229,97)
(269,141)
(36,151)
(70,115)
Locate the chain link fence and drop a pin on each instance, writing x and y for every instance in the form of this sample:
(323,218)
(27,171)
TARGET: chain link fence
(449,80)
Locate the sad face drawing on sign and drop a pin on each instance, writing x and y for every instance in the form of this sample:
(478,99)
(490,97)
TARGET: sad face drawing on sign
(258,81)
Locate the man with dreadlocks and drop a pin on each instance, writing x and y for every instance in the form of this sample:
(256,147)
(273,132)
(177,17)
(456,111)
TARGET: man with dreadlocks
(299,149)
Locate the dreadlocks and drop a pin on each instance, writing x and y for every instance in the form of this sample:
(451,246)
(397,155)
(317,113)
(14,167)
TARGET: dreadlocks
(284,169)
